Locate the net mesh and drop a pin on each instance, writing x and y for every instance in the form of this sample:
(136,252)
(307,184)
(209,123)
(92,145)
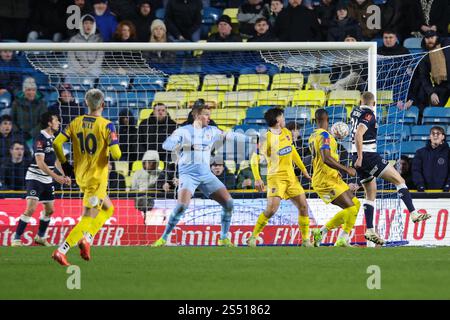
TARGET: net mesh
(239,86)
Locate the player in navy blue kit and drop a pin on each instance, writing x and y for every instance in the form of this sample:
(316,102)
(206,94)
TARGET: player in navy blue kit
(39,180)
(369,165)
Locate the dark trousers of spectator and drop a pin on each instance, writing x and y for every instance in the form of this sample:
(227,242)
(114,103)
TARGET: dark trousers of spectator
(443,91)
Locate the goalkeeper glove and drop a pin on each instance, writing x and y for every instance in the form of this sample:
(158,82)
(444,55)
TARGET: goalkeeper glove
(446,188)
(68,169)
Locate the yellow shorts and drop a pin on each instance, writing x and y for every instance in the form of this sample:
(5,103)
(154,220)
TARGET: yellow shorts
(93,196)
(329,191)
(285,189)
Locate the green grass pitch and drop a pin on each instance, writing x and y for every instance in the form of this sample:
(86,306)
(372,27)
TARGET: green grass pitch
(228,273)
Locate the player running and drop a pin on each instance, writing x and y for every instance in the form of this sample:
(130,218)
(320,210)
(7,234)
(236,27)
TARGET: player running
(194,143)
(369,165)
(280,153)
(328,184)
(39,181)
(93,139)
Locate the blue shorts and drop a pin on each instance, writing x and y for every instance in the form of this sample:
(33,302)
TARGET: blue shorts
(43,192)
(373,165)
(207,183)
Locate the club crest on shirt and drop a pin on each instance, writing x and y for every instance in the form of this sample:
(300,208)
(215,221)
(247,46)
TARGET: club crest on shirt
(368,117)
(39,144)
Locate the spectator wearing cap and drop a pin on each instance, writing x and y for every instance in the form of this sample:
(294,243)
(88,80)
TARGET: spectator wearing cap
(27,109)
(159,34)
(296,23)
(224,31)
(343,25)
(436,64)
(248,13)
(149,176)
(184,19)
(106,21)
(128,136)
(143,19)
(431,169)
(276,6)
(66,106)
(358,10)
(14,167)
(391,45)
(263,32)
(223,174)
(10,77)
(47,20)
(86,62)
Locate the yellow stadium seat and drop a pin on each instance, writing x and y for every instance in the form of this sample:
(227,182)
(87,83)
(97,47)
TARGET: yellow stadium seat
(448,103)
(310,98)
(253,82)
(171,99)
(322,79)
(179,115)
(239,99)
(121,167)
(385,97)
(275,98)
(161,165)
(137,165)
(128,181)
(231,166)
(232,13)
(218,82)
(212,99)
(198,53)
(183,82)
(228,116)
(348,98)
(287,81)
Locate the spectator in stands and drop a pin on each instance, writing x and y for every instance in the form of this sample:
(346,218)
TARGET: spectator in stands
(155,130)
(10,78)
(47,20)
(222,173)
(297,23)
(248,13)
(431,15)
(122,9)
(27,109)
(224,31)
(431,169)
(125,32)
(190,118)
(170,178)
(245,179)
(66,106)
(106,21)
(391,45)
(326,11)
(85,7)
(263,32)
(116,181)
(14,167)
(396,16)
(86,62)
(143,19)
(184,19)
(359,10)
(128,136)
(159,34)
(7,136)
(343,25)
(149,176)
(404,168)
(275,8)
(436,64)
(14,16)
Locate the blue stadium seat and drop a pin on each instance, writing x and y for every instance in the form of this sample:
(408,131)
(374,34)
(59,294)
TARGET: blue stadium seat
(414,45)
(421,132)
(389,151)
(393,132)
(306,131)
(409,116)
(114,83)
(160,13)
(51,97)
(298,114)
(211,15)
(409,148)
(250,129)
(134,99)
(5,100)
(255,115)
(153,83)
(337,113)
(436,115)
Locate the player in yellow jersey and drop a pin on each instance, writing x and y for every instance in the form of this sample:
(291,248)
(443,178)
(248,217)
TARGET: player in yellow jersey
(278,149)
(93,139)
(328,184)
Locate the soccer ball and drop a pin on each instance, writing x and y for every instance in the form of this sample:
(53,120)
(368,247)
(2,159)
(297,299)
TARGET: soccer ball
(340,130)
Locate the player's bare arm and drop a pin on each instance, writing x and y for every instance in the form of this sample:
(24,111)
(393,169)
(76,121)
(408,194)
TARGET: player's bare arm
(360,131)
(40,161)
(332,163)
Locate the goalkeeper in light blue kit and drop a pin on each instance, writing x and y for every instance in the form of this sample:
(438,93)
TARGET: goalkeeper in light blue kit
(194,143)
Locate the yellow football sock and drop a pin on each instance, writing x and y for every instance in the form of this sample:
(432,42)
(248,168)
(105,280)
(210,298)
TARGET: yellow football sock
(78,231)
(351,216)
(303,225)
(100,220)
(260,224)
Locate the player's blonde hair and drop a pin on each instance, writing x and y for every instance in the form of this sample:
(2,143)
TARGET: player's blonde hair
(94,99)
(367,98)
